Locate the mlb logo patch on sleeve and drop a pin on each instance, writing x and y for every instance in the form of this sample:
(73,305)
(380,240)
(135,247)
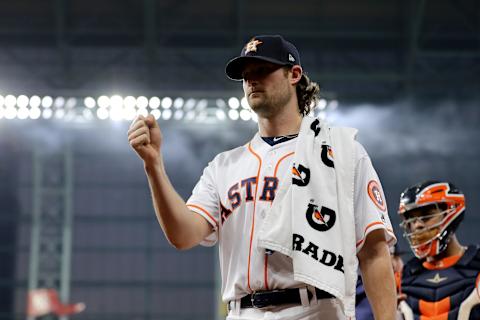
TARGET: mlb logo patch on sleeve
(376,195)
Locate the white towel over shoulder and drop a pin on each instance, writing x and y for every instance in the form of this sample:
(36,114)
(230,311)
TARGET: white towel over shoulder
(312,217)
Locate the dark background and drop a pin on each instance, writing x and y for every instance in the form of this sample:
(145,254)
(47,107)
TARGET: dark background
(405,73)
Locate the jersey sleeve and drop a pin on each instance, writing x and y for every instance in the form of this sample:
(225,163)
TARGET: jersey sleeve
(205,202)
(370,205)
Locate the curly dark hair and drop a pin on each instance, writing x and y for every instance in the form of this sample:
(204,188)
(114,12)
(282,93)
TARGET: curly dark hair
(307,94)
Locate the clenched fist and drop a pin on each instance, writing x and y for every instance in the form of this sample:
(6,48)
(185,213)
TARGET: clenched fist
(145,138)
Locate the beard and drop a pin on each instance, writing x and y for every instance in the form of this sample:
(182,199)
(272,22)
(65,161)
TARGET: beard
(268,104)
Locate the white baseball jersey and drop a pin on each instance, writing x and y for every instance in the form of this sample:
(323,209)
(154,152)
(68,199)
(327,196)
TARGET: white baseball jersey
(233,195)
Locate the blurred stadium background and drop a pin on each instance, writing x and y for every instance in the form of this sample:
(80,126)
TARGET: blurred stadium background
(75,210)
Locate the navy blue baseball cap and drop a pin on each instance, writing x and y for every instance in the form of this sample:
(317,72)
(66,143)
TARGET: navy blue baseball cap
(271,48)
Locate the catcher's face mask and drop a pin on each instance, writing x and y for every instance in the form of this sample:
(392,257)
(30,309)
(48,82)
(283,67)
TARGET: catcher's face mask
(431,212)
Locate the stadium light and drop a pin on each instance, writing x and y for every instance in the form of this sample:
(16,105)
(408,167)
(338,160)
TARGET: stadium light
(129,113)
(322,104)
(233,103)
(244,103)
(245,115)
(10,113)
(35,113)
(116,102)
(190,104)
(47,102)
(10,101)
(142,102)
(142,112)
(59,102)
(71,103)
(102,113)
(178,103)
(125,108)
(35,101)
(154,102)
(22,113)
(156,113)
(59,113)
(167,102)
(220,103)
(47,113)
(166,114)
(22,102)
(220,114)
(178,115)
(89,102)
(190,116)
(103,102)
(201,105)
(130,102)
(332,105)
(233,114)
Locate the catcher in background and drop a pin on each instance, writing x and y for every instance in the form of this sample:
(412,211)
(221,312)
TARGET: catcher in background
(442,282)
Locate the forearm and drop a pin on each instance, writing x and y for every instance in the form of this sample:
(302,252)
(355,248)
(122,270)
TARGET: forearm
(378,279)
(182,228)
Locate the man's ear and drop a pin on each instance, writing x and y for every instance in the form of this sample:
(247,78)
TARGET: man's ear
(296,74)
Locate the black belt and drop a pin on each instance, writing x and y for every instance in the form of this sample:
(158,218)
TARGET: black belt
(261,299)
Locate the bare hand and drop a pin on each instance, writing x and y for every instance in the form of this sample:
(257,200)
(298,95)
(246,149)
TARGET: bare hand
(145,138)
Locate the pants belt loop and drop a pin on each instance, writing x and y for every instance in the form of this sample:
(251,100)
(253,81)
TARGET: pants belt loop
(304,296)
(314,300)
(234,307)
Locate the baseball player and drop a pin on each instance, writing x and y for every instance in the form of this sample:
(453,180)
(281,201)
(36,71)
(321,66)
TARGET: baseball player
(442,281)
(230,202)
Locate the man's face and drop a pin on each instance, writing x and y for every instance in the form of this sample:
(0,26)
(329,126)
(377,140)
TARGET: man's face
(266,86)
(423,223)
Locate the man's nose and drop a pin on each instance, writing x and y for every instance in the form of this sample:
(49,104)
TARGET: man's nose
(417,224)
(250,81)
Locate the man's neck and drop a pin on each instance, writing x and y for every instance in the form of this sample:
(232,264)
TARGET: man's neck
(282,124)
(454,248)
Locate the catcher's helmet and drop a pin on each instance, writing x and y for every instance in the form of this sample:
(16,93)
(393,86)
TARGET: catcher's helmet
(438,207)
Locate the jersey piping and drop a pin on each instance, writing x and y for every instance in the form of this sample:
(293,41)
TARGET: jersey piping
(369,229)
(204,211)
(266,255)
(254,210)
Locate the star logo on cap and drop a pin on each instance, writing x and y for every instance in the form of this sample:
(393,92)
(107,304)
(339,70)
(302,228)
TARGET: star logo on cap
(252,46)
